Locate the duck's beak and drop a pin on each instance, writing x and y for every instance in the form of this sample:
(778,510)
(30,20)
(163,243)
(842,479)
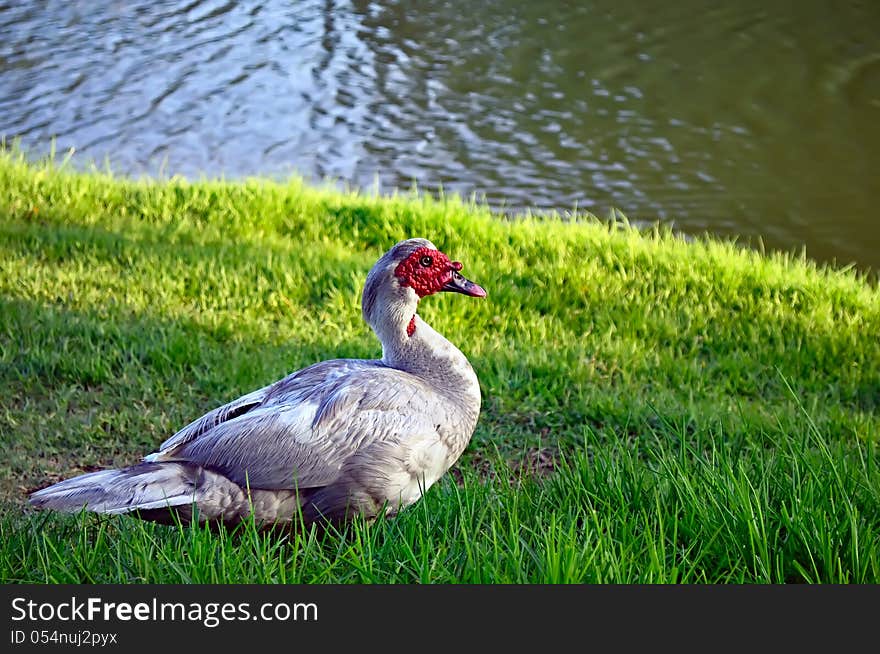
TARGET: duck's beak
(460,284)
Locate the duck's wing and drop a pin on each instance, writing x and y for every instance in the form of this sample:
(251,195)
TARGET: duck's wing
(212,419)
(295,387)
(300,432)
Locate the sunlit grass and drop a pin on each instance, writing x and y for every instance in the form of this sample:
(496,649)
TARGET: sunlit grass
(713,412)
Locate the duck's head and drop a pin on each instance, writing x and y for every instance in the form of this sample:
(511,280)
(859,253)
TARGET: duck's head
(406,273)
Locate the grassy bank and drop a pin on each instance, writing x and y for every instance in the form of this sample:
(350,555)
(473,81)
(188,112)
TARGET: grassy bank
(654,409)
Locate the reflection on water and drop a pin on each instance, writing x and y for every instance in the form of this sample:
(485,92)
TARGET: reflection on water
(757,118)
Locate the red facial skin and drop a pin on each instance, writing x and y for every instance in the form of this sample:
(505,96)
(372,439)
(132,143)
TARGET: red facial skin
(426,280)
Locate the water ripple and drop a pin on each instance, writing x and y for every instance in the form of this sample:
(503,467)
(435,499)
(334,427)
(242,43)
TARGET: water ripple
(747,118)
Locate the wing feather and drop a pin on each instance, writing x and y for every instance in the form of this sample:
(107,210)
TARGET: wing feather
(301,431)
(213,418)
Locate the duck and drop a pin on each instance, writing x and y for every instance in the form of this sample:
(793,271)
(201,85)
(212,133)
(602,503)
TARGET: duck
(337,439)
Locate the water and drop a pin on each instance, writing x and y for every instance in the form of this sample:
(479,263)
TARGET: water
(759,118)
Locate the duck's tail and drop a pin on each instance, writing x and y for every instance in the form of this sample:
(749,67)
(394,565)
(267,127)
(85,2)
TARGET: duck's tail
(150,489)
(142,486)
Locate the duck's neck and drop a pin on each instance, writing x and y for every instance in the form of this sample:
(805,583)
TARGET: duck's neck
(411,344)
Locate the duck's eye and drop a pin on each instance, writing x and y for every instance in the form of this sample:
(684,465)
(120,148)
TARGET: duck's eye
(426,261)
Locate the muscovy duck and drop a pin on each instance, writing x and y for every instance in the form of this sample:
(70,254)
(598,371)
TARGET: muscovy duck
(335,439)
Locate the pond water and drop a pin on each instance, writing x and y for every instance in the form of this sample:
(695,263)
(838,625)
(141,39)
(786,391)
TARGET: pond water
(759,118)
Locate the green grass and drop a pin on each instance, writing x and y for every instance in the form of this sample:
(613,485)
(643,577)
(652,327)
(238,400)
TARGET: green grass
(700,412)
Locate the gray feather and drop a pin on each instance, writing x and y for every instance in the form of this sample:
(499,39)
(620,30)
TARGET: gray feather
(306,431)
(146,485)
